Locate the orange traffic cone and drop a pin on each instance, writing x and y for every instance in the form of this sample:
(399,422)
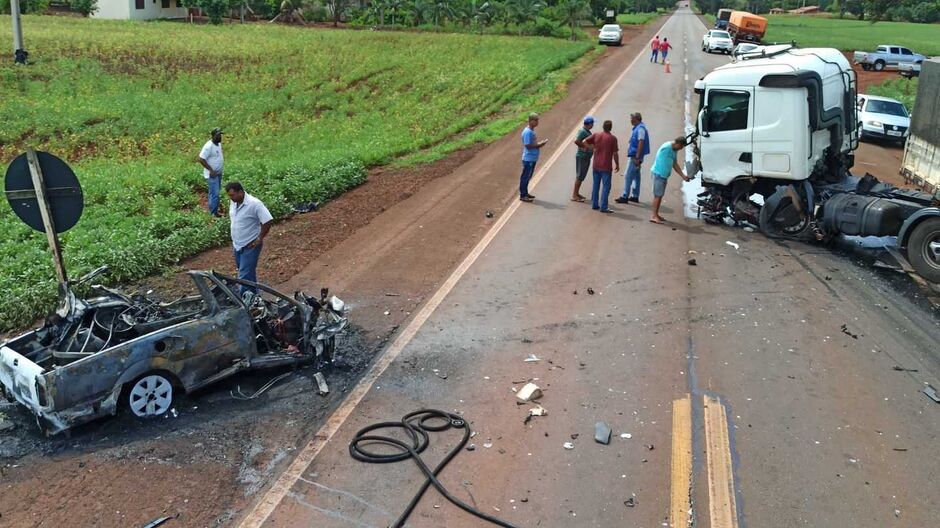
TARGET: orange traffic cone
(667,67)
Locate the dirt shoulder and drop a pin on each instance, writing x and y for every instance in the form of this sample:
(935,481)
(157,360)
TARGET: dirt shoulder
(383,247)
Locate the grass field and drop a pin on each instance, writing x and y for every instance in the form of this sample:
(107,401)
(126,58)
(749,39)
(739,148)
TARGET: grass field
(850,35)
(306,111)
(637,18)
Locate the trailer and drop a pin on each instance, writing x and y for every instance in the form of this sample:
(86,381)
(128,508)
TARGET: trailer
(746,27)
(921,163)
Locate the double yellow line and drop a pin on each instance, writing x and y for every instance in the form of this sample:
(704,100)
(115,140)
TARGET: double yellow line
(721,506)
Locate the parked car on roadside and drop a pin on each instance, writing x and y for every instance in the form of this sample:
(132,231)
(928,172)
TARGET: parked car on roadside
(910,69)
(882,118)
(95,355)
(717,40)
(886,56)
(610,34)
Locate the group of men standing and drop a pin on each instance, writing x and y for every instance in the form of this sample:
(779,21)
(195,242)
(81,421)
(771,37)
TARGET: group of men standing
(601,151)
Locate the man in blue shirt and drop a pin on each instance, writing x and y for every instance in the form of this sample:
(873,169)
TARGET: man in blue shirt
(530,155)
(665,163)
(639,148)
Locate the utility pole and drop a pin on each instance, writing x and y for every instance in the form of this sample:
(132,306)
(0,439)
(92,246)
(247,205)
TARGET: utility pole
(19,54)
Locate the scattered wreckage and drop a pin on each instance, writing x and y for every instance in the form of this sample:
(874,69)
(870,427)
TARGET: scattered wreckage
(93,356)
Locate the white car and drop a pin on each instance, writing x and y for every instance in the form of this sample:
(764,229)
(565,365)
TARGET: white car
(717,40)
(611,34)
(883,118)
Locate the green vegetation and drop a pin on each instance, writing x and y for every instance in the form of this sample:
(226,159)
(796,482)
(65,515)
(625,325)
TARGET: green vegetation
(848,35)
(904,90)
(920,11)
(638,18)
(306,111)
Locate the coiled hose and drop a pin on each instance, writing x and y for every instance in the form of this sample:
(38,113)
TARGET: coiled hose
(416,426)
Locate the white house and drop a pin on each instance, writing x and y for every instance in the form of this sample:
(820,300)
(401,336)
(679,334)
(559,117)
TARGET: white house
(139,9)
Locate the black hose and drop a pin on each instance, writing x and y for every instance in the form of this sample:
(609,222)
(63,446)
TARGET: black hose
(417,425)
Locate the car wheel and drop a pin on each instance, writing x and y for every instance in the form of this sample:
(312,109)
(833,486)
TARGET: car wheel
(923,249)
(866,67)
(879,65)
(150,396)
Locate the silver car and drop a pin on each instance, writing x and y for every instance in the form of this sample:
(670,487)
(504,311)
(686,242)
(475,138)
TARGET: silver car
(883,118)
(611,34)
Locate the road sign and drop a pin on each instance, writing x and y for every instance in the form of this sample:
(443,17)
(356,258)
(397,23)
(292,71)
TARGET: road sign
(44,193)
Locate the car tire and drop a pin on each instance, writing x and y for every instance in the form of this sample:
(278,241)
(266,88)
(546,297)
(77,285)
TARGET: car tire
(879,65)
(866,67)
(150,395)
(922,249)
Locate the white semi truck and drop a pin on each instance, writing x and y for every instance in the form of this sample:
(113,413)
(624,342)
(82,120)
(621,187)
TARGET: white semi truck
(781,123)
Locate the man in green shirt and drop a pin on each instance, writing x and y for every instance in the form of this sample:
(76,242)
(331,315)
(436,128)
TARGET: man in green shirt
(582,159)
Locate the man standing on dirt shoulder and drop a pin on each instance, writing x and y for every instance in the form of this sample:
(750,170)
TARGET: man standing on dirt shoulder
(530,155)
(251,222)
(210,157)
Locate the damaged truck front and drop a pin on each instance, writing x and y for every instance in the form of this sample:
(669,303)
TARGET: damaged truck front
(94,356)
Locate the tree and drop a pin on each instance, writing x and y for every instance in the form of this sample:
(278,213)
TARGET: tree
(523,11)
(439,11)
(214,9)
(572,12)
(338,9)
(85,7)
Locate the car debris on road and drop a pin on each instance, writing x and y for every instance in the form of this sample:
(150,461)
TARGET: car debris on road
(94,355)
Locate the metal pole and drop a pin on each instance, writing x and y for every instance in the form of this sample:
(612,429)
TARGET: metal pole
(17,28)
(39,184)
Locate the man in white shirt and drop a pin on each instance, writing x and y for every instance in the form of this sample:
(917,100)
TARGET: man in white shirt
(210,157)
(251,222)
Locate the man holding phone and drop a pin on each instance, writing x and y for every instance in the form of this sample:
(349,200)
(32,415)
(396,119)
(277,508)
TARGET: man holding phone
(531,146)
(210,157)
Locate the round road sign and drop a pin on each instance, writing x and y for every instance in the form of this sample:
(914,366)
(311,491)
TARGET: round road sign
(63,192)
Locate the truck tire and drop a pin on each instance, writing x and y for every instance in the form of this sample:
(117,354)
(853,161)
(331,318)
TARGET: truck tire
(879,65)
(923,249)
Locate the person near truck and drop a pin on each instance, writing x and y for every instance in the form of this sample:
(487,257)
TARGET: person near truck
(210,157)
(664,164)
(531,146)
(582,159)
(664,48)
(654,46)
(606,159)
(638,149)
(251,222)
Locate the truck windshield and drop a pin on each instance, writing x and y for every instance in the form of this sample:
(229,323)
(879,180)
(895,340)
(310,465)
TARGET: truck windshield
(886,107)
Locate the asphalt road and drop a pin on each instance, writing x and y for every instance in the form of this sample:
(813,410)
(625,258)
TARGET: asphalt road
(758,386)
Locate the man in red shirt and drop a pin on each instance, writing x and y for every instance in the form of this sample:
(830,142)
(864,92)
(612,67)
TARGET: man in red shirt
(606,160)
(654,57)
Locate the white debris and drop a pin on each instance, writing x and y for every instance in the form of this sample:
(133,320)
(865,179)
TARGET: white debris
(735,245)
(529,392)
(532,358)
(322,388)
(568,445)
(626,435)
(538,411)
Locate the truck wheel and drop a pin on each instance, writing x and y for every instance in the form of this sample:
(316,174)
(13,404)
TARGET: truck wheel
(879,65)
(923,249)
(150,396)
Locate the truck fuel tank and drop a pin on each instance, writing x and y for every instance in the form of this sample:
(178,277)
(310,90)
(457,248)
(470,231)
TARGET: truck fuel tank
(852,214)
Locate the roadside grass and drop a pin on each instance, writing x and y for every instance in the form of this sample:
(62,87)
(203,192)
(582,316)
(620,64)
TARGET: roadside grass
(637,18)
(904,90)
(851,35)
(129,104)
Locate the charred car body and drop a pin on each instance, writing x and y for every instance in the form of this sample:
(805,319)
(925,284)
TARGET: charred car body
(93,356)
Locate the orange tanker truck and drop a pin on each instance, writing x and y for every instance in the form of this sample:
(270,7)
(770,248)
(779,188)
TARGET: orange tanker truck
(744,26)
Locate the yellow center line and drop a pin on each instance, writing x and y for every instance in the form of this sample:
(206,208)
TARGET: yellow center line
(721,507)
(680,503)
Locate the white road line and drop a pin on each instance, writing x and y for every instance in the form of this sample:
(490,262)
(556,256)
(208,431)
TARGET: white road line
(282,486)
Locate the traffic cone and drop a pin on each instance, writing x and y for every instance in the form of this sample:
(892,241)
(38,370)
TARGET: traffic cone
(667,67)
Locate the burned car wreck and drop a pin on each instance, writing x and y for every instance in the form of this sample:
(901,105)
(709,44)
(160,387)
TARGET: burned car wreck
(94,356)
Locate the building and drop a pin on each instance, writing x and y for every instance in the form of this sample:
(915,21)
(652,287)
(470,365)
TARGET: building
(808,10)
(777,11)
(140,9)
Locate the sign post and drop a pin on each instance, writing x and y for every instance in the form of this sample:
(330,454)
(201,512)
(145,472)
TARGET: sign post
(18,50)
(39,185)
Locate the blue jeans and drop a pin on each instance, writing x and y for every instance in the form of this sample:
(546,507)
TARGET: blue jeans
(528,169)
(655,56)
(631,180)
(215,186)
(664,56)
(600,190)
(246,260)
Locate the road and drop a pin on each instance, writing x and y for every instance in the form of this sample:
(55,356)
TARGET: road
(758,387)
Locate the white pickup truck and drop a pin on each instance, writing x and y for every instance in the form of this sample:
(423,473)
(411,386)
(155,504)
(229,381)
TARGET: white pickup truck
(886,56)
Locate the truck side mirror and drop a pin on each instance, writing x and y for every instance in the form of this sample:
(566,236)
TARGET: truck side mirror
(702,120)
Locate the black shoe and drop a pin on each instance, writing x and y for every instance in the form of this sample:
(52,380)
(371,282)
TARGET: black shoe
(607,211)
(621,199)
(527,198)
(634,199)
(596,208)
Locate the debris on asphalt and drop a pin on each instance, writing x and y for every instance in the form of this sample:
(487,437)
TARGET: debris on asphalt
(692,262)
(630,503)
(488,214)
(902,369)
(529,392)
(574,436)
(6,425)
(931,393)
(748,229)
(602,433)
(488,444)
(157,522)
(735,245)
(845,330)
(387,312)
(899,449)
(590,291)
(568,445)
(322,388)
(471,447)
(535,411)
(626,435)
(527,341)
(392,294)
(532,358)
(650,447)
